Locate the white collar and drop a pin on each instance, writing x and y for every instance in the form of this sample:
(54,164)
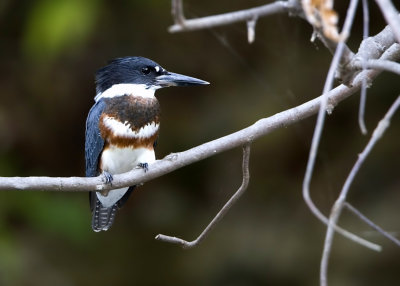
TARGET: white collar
(121,89)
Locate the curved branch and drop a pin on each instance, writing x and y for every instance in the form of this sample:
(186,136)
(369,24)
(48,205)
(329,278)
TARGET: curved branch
(318,133)
(363,93)
(222,212)
(341,200)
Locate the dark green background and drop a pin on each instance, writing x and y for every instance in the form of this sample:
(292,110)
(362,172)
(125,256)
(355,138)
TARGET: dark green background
(49,51)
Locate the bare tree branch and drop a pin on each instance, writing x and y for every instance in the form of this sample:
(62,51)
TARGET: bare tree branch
(344,63)
(319,127)
(339,204)
(391,15)
(380,65)
(251,30)
(175,161)
(237,16)
(370,48)
(222,212)
(373,47)
(250,16)
(363,94)
(347,54)
(372,224)
(177,12)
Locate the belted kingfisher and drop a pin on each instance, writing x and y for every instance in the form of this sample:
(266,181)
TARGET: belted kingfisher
(122,127)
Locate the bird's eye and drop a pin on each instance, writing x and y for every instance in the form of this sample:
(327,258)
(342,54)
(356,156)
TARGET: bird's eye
(146,70)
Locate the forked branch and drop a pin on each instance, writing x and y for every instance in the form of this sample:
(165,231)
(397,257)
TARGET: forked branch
(318,133)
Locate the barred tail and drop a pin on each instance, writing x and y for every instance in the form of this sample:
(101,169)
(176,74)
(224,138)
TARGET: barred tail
(102,217)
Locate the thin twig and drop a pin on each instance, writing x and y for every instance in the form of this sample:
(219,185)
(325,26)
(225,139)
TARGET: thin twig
(221,213)
(380,65)
(391,16)
(372,224)
(251,30)
(177,12)
(237,16)
(319,127)
(339,204)
(331,45)
(363,95)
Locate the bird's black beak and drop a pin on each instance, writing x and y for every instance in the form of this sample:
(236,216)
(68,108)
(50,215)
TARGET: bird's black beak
(175,79)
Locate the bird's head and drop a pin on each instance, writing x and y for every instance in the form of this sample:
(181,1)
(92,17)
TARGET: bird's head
(139,76)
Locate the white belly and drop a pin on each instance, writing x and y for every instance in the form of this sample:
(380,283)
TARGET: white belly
(120,160)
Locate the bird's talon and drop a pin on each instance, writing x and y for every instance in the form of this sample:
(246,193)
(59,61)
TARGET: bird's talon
(144,166)
(108,177)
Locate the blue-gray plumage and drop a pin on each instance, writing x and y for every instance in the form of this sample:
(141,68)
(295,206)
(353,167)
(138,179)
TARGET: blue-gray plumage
(94,143)
(122,127)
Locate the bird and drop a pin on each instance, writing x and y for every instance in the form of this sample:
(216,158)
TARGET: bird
(122,127)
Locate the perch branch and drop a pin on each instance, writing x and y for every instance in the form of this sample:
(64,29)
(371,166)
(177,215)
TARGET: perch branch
(178,160)
(222,212)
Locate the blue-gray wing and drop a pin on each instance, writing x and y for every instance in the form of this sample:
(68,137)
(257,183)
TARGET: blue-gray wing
(94,143)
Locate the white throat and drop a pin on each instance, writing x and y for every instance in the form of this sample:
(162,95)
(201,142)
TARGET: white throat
(121,89)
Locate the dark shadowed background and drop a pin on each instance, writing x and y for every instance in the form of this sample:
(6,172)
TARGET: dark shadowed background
(49,52)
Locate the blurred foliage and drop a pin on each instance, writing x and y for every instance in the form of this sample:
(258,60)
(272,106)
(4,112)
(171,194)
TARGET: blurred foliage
(55,26)
(49,52)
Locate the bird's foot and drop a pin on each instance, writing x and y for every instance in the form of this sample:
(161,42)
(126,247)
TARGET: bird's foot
(144,166)
(108,178)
